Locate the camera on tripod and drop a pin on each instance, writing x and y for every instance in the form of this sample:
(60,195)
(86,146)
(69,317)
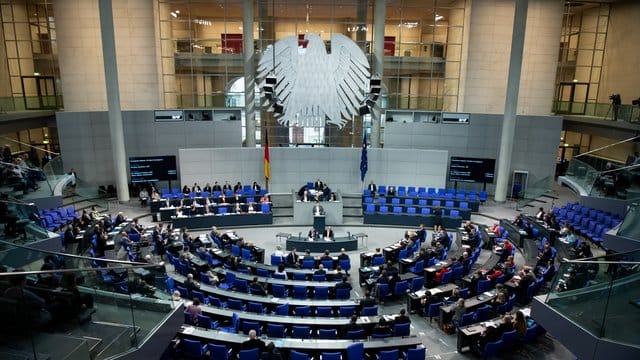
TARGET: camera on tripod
(635,102)
(615,99)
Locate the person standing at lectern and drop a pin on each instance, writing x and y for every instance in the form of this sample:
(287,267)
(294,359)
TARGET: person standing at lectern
(328,234)
(317,209)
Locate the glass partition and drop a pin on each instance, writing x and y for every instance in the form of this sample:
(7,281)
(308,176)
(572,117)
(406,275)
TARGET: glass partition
(19,221)
(97,307)
(602,295)
(630,227)
(582,174)
(626,113)
(535,190)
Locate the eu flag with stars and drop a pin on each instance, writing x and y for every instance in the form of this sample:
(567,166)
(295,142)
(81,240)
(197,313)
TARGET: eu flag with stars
(363,159)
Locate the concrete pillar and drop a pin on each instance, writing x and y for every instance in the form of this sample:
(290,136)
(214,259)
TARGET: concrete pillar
(249,74)
(378,63)
(511,101)
(113,99)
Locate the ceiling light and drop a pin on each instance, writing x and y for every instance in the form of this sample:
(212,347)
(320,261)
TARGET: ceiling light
(439,17)
(174,14)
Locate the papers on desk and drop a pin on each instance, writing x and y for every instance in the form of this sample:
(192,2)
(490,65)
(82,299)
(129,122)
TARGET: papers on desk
(365,319)
(434,291)
(421,293)
(526,311)
(188,330)
(489,293)
(490,323)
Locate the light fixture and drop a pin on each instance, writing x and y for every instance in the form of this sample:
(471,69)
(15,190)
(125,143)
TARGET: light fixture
(174,14)
(439,17)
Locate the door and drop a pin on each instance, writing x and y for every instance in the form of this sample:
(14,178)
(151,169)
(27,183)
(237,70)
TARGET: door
(571,98)
(39,92)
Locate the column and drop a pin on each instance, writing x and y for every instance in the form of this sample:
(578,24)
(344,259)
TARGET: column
(511,101)
(249,74)
(113,99)
(378,63)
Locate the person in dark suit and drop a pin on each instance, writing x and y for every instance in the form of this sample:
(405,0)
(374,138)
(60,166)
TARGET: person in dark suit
(311,235)
(343,255)
(344,284)
(382,328)
(328,234)
(318,185)
(320,271)
(271,353)
(318,209)
(256,288)
(402,318)
(227,186)
(352,325)
(216,187)
(391,191)
(255,187)
(238,187)
(253,342)
(292,258)
(372,187)
(367,301)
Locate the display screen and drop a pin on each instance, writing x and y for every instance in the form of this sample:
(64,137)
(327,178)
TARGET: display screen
(153,168)
(472,169)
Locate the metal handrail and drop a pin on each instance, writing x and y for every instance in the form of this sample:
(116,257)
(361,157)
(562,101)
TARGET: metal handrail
(30,146)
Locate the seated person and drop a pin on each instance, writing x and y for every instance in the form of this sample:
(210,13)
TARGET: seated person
(494,273)
(143,195)
(328,234)
(344,284)
(256,288)
(312,235)
(292,259)
(253,342)
(352,325)
(391,191)
(191,284)
(194,310)
(402,318)
(440,273)
(343,255)
(382,328)
(320,271)
(333,197)
(326,256)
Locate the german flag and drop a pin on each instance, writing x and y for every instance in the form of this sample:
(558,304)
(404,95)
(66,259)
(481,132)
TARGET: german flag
(267,170)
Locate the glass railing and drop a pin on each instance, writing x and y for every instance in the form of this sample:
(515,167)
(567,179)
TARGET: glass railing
(583,174)
(630,226)
(601,295)
(20,224)
(627,113)
(54,172)
(534,191)
(10,104)
(98,307)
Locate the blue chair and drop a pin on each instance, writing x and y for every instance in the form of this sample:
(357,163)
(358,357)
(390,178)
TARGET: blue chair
(276,260)
(279,276)
(378,260)
(343,293)
(206,322)
(411,211)
(446,277)
(370,209)
(279,291)
(300,332)
(214,301)
(369,311)
(308,264)
(328,334)
(319,277)
(324,311)
(246,255)
(299,276)
(241,285)
(395,201)
(184,293)
(454,213)
(321,293)
(253,354)
(355,351)
(403,254)
(434,310)
(346,311)
(402,329)
(229,280)
(327,264)
(193,348)
(250,325)
(456,272)
(491,349)
(482,196)
(345,264)
(262,272)
(509,339)
(425,211)
(482,286)
(388,355)
(397,210)
(383,209)
(400,288)
(302,311)
(170,284)
(482,313)
(416,354)
(418,268)
(417,283)
(218,352)
(275,330)
(295,355)
(255,307)
(383,291)
(235,304)
(199,295)
(466,319)
(300,292)
(282,309)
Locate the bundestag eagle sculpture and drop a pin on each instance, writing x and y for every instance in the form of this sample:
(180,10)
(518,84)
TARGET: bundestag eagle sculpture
(312,84)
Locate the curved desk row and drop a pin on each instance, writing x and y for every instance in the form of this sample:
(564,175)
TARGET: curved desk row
(474,205)
(411,220)
(271,281)
(302,243)
(269,301)
(207,221)
(315,346)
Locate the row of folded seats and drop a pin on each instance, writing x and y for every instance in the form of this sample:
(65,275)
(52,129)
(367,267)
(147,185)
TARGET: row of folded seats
(54,219)
(411,210)
(177,193)
(194,349)
(423,192)
(589,222)
(420,202)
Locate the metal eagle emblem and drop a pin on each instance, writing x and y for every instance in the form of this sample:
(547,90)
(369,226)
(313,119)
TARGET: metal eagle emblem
(314,86)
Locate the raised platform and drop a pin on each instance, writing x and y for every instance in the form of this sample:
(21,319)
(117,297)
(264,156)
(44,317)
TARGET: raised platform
(303,211)
(349,243)
(207,221)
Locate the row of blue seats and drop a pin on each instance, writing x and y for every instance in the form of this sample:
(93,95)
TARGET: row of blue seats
(412,191)
(371,209)
(54,219)
(588,222)
(420,202)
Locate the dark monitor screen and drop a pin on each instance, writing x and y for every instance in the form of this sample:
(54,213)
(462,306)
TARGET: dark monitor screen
(153,168)
(472,169)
